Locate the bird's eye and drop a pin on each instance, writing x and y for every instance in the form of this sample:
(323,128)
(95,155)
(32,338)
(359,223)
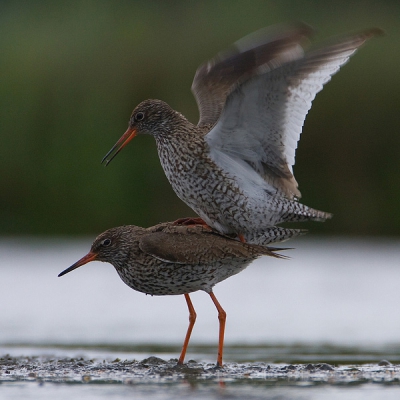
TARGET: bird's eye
(139,116)
(106,242)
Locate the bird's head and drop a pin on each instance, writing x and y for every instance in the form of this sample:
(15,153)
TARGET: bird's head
(154,117)
(111,246)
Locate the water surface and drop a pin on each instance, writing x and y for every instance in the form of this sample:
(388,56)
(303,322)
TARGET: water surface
(335,301)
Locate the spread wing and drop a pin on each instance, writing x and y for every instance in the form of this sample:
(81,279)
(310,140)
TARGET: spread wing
(269,47)
(194,245)
(263,117)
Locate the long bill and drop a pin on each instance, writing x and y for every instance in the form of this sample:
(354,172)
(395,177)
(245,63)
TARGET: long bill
(122,142)
(84,260)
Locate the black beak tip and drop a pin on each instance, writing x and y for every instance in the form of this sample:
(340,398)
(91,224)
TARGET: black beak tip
(65,271)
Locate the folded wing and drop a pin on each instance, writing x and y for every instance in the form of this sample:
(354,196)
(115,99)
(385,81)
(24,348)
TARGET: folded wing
(186,245)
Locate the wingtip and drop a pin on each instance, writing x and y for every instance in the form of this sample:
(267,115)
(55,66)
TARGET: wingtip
(367,34)
(303,27)
(359,37)
(375,32)
(293,31)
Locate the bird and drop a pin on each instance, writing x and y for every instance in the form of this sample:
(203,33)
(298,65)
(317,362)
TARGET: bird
(235,167)
(171,259)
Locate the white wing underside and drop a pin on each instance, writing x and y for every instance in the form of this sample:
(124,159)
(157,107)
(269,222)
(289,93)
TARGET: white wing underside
(263,117)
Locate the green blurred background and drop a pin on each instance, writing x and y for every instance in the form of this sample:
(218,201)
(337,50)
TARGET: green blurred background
(71,72)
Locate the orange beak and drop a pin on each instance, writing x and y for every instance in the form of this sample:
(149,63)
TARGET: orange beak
(84,260)
(122,142)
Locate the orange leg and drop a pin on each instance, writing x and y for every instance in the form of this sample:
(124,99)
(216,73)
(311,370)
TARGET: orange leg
(241,238)
(192,320)
(222,319)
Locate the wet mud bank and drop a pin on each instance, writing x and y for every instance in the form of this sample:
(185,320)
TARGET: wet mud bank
(46,369)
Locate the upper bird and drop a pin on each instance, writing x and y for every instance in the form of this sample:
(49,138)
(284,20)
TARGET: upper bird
(234,168)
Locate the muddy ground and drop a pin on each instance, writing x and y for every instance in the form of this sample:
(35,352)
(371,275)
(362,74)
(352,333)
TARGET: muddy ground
(156,370)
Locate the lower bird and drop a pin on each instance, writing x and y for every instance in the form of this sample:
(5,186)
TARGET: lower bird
(171,259)
(235,167)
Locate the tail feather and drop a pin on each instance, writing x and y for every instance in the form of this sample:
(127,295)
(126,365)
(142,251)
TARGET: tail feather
(299,213)
(274,250)
(273,234)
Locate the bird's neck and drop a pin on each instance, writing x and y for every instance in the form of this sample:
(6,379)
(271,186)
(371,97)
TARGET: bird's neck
(183,141)
(176,126)
(176,135)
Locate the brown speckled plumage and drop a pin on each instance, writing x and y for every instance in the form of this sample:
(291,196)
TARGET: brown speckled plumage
(170,259)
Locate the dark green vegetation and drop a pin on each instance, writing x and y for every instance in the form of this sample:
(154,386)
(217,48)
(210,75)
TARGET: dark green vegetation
(71,72)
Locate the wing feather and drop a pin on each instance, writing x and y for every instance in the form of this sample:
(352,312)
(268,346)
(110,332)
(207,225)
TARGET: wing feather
(263,117)
(194,245)
(265,49)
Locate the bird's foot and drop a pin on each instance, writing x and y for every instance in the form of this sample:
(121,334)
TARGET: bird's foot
(241,238)
(217,367)
(191,367)
(191,222)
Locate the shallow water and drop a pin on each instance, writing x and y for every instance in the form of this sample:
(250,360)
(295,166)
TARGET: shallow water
(334,302)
